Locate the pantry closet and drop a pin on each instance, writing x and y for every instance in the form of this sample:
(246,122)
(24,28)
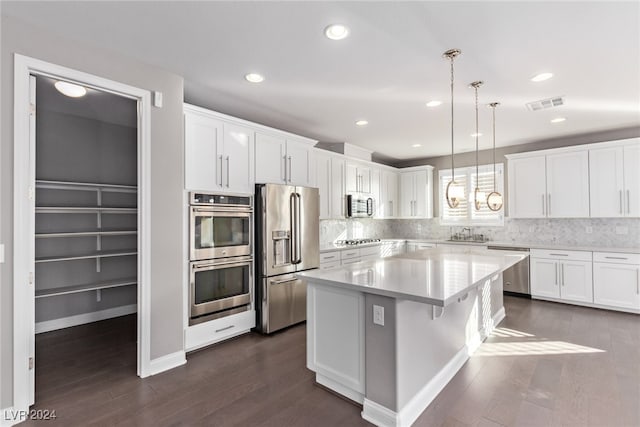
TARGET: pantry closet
(86,218)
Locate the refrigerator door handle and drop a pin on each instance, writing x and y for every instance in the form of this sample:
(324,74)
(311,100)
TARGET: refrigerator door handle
(292,225)
(296,234)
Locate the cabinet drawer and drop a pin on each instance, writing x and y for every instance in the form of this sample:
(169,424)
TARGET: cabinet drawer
(349,254)
(370,250)
(561,254)
(616,258)
(330,256)
(329,265)
(350,261)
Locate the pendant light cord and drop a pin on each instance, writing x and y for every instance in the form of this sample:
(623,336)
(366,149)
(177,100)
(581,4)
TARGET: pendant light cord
(494,146)
(453,174)
(477,136)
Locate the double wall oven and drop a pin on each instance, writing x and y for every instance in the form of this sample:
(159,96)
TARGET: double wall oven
(220,253)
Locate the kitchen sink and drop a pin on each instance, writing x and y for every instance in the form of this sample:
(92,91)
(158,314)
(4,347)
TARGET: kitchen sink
(468,241)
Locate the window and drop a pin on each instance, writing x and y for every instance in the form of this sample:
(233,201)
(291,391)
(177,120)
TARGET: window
(465,213)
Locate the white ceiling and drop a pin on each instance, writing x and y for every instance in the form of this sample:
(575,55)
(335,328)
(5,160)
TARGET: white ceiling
(387,69)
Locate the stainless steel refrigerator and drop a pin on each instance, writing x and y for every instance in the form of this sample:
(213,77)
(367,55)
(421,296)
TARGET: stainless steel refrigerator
(287,241)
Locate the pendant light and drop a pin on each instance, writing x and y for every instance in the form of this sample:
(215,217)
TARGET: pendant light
(454,192)
(478,195)
(494,199)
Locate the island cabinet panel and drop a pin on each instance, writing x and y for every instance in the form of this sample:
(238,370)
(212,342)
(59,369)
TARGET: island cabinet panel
(335,339)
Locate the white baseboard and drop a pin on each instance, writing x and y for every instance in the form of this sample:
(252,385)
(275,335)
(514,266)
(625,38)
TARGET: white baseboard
(340,389)
(170,361)
(11,417)
(379,415)
(81,319)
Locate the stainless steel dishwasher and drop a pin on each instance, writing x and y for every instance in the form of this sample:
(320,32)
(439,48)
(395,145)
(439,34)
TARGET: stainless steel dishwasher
(516,279)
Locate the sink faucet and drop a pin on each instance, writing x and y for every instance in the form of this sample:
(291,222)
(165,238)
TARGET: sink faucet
(468,236)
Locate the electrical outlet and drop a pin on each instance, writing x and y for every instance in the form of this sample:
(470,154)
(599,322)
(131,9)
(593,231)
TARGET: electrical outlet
(532,229)
(378,315)
(589,230)
(622,230)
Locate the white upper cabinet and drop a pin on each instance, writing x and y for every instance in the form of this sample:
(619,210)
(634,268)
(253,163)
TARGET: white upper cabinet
(283,160)
(527,187)
(270,154)
(218,154)
(568,185)
(389,194)
(324,182)
(300,164)
(237,159)
(375,176)
(615,179)
(541,186)
(338,200)
(606,180)
(416,193)
(632,178)
(202,142)
(358,178)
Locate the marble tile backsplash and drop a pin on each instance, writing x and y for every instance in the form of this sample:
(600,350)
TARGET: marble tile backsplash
(609,232)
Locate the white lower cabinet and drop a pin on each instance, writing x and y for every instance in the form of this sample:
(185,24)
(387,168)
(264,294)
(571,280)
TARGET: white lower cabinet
(616,280)
(561,275)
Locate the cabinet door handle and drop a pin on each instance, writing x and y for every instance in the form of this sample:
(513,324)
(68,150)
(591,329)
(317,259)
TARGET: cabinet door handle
(556,283)
(220,158)
(628,202)
(549,204)
(289,168)
(620,194)
(543,211)
(562,274)
(227,171)
(616,257)
(559,254)
(284,161)
(391,207)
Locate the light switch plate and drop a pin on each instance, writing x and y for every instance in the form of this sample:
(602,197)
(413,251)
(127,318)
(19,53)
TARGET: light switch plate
(378,315)
(157,99)
(589,230)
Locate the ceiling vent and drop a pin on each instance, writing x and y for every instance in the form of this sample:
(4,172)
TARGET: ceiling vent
(543,104)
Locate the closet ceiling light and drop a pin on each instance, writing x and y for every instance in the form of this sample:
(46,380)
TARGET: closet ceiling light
(336,32)
(541,77)
(70,89)
(434,103)
(473,135)
(558,120)
(362,123)
(416,145)
(254,78)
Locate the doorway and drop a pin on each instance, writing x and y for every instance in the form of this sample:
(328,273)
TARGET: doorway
(80,210)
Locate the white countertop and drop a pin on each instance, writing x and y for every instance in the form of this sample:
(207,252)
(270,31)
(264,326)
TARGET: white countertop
(434,276)
(558,246)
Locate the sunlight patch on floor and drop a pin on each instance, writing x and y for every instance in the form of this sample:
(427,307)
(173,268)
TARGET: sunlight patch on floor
(531,348)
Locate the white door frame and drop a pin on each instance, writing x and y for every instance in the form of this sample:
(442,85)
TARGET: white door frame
(23,217)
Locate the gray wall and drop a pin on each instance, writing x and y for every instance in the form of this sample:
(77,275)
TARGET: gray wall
(166,178)
(486,156)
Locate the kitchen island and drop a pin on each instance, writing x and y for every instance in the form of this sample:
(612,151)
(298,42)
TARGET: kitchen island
(391,333)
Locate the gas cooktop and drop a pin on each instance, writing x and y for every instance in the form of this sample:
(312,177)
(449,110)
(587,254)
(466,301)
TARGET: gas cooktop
(352,242)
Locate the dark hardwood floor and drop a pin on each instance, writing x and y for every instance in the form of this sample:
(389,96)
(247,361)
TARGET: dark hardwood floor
(547,364)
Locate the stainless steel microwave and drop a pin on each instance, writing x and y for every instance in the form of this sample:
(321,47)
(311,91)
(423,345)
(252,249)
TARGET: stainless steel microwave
(359,205)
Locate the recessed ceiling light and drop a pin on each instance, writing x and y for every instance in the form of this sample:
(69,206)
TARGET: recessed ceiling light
(476,134)
(254,78)
(433,103)
(416,145)
(362,123)
(558,120)
(70,89)
(541,77)
(336,31)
